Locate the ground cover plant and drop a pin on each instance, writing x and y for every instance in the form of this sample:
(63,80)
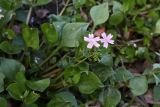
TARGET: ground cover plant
(79,53)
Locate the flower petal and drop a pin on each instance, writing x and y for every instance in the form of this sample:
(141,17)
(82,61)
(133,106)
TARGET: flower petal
(96,38)
(86,39)
(96,44)
(102,40)
(109,36)
(103,35)
(91,36)
(111,41)
(90,45)
(105,45)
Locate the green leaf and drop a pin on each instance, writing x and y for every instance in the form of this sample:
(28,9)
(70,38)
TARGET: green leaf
(128,5)
(72,32)
(21,15)
(157,28)
(110,97)
(10,34)
(68,97)
(72,75)
(102,71)
(31,37)
(60,103)
(42,2)
(37,3)
(50,32)
(156,93)
(39,85)
(117,7)
(156,105)
(83,66)
(31,105)
(21,80)
(89,83)
(121,74)
(116,18)
(107,60)
(138,85)
(10,48)
(15,91)
(1,82)
(5,4)
(7,17)
(141,2)
(100,13)
(31,98)
(79,3)
(3,102)
(10,67)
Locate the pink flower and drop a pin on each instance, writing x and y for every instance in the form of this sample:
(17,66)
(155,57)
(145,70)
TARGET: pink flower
(106,39)
(92,41)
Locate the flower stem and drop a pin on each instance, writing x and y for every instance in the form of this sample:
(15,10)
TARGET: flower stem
(93,28)
(51,55)
(64,7)
(29,15)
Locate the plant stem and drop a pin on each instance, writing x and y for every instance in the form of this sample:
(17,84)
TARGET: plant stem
(93,28)
(64,7)
(29,15)
(82,60)
(51,55)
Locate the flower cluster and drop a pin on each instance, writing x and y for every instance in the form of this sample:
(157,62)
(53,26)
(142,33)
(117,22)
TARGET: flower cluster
(93,41)
(1,15)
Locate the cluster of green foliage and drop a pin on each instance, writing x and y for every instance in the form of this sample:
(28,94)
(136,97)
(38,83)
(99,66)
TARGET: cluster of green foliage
(49,65)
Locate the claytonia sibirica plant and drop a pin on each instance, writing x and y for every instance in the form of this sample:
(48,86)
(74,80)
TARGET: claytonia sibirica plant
(1,15)
(48,58)
(93,41)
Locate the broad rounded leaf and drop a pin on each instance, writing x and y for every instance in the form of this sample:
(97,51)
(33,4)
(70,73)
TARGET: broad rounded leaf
(1,82)
(141,2)
(72,75)
(72,32)
(156,93)
(157,28)
(100,13)
(107,60)
(3,102)
(38,2)
(138,85)
(102,71)
(15,91)
(31,37)
(39,85)
(10,48)
(10,34)
(31,98)
(121,74)
(128,5)
(89,83)
(42,2)
(6,19)
(116,18)
(9,67)
(68,97)
(50,33)
(110,97)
